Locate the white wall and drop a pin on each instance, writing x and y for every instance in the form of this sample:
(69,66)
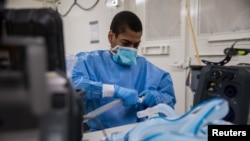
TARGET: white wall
(23,4)
(77,27)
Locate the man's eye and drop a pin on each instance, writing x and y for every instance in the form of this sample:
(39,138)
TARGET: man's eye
(136,46)
(125,44)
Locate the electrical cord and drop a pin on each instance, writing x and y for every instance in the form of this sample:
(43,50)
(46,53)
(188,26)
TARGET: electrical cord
(81,92)
(77,4)
(102,128)
(229,53)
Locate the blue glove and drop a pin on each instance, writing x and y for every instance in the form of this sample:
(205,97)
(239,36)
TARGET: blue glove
(149,99)
(129,96)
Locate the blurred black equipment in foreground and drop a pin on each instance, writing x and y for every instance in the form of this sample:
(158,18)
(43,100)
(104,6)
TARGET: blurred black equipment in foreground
(42,22)
(37,101)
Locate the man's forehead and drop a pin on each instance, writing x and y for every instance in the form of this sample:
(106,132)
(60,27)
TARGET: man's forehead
(130,36)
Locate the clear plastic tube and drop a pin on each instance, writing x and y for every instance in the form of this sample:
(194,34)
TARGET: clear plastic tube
(101,110)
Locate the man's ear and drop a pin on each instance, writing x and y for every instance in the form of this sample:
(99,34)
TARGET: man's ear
(111,37)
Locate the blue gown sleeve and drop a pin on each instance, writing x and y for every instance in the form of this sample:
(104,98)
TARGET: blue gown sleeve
(81,79)
(165,93)
(160,87)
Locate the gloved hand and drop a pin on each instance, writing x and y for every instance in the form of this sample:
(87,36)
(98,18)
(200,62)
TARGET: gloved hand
(149,99)
(98,90)
(129,96)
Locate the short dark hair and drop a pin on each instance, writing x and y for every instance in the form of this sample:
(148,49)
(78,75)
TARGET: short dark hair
(123,20)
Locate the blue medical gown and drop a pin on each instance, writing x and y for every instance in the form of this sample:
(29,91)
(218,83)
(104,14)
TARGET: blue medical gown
(99,66)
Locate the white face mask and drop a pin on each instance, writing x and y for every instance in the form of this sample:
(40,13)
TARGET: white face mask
(124,55)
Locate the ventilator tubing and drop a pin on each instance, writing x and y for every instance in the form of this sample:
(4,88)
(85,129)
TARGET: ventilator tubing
(101,110)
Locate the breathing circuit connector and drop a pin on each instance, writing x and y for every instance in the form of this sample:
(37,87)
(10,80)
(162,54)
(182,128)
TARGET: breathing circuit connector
(160,108)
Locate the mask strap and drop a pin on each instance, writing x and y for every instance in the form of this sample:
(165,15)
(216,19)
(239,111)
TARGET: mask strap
(114,49)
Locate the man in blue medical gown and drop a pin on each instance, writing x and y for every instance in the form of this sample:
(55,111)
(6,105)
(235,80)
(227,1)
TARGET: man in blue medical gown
(119,73)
